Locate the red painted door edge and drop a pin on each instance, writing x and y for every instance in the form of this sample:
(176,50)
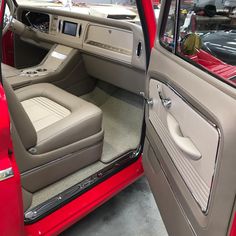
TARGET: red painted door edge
(2,11)
(150,20)
(69,214)
(233,227)
(11,217)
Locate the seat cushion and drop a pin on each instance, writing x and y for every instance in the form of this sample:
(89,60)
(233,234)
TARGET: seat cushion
(58,117)
(44,112)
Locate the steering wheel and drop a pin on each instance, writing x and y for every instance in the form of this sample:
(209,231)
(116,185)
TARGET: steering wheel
(7,19)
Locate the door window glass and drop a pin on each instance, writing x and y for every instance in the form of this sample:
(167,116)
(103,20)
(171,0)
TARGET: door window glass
(206,36)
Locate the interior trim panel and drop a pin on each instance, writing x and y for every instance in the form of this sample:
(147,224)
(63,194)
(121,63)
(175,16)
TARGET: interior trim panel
(183,130)
(107,41)
(215,106)
(79,30)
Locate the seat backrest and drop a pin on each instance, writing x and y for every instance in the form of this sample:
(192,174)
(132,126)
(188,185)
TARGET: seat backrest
(23,125)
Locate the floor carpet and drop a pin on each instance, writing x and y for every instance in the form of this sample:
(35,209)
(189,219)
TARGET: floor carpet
(122,119)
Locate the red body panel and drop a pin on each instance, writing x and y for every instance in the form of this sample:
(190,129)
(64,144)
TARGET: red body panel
(83,205)
(11,221)
(233,228)
(150,20)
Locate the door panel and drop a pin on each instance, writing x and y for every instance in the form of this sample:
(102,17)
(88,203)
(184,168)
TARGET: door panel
(203,111)
(172,213)
(184,132)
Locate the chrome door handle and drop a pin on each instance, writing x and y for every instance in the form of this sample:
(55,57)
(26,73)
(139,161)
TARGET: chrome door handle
(166,102)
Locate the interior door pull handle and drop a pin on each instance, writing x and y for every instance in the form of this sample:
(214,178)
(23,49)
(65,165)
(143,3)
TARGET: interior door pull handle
(166,102)
(184,143)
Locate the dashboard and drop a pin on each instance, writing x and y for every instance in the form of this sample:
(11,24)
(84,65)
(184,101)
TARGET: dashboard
(115,40)
(39,21)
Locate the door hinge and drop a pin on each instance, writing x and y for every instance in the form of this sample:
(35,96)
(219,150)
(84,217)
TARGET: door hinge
(148,101)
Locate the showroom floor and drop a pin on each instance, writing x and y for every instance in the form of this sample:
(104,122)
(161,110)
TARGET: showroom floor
(133,212)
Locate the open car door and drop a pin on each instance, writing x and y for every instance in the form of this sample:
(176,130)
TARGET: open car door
(189,152)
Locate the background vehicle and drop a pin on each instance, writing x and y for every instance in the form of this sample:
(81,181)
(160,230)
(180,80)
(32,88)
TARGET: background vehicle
(216,43)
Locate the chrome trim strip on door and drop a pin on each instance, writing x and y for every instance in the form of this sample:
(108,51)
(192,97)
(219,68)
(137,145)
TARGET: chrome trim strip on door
(176,38)
(211,123)
(6,174)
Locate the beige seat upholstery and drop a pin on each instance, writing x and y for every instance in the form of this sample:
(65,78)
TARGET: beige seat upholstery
(55,133)
(58,117)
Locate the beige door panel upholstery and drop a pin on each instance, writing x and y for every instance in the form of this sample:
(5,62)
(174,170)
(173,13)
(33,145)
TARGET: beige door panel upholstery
(205,211)
(70,133)
(197,173)
(162,188)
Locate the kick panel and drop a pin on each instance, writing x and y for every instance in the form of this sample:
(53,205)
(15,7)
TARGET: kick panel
(184,132)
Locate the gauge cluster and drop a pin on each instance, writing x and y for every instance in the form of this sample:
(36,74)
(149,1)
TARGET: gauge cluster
(39,21)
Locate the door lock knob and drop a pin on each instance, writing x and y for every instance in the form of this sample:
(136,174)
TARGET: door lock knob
(166,102)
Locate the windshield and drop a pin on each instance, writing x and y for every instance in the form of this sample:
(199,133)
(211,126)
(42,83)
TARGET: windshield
(78,2)
(117,9)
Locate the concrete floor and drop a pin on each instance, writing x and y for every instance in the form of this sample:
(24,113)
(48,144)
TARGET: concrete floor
(133,212)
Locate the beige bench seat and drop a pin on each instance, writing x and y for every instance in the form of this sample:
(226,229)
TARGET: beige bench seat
(58,117)
(55,133)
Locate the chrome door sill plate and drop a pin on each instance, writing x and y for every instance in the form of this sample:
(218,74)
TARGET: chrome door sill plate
(61,199)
